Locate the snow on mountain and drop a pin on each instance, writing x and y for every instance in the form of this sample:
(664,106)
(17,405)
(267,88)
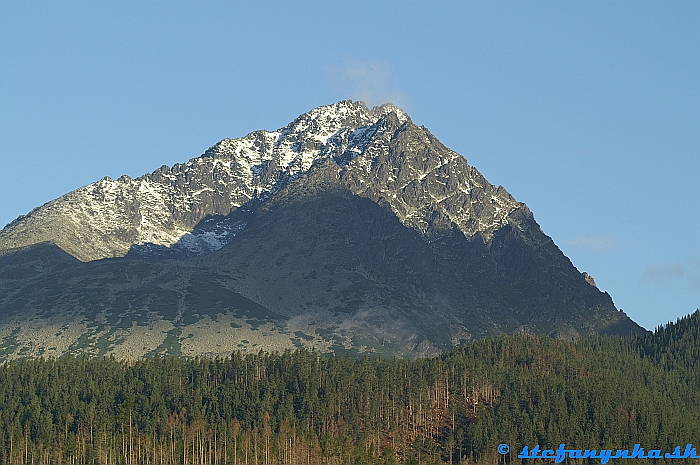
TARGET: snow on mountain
(187,209)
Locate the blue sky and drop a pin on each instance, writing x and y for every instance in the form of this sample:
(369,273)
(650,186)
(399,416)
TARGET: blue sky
(589,112)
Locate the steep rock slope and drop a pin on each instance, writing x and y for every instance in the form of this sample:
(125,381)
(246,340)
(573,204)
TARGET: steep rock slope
(426,184)
(106,218)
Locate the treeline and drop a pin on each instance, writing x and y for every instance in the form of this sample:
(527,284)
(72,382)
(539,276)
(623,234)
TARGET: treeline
(304,408)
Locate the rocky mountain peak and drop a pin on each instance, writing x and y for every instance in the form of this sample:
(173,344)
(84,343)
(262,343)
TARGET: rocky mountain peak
(349,229)
(384,157)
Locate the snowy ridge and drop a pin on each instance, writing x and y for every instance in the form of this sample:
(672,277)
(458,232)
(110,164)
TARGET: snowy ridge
(186,208)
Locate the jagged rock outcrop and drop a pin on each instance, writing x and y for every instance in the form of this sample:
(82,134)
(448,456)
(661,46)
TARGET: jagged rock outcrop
(384,157)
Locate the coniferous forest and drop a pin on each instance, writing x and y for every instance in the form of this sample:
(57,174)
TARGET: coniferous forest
(307,408)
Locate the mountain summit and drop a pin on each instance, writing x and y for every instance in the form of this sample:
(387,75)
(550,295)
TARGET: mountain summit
(350,229)
(107,218)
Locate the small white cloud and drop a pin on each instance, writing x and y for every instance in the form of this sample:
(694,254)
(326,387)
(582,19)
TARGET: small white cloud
(370,81)
(593,243)
(686,274)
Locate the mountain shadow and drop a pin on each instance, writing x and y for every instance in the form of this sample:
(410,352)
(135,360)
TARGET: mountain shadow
(317,250)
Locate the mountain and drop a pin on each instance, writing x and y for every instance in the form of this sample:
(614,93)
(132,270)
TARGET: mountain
(350,229)
(163,209)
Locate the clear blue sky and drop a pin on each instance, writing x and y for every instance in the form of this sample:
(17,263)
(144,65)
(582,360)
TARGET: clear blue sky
(589,112)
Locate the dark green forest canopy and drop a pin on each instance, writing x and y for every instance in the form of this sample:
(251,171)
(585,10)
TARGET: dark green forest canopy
(302,407)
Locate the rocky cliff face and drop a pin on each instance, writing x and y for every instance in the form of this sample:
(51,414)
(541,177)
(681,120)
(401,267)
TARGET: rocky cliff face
(349,229)
(383,155)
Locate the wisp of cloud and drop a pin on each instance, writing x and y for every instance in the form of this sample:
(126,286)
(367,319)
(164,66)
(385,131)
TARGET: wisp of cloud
(370,81)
